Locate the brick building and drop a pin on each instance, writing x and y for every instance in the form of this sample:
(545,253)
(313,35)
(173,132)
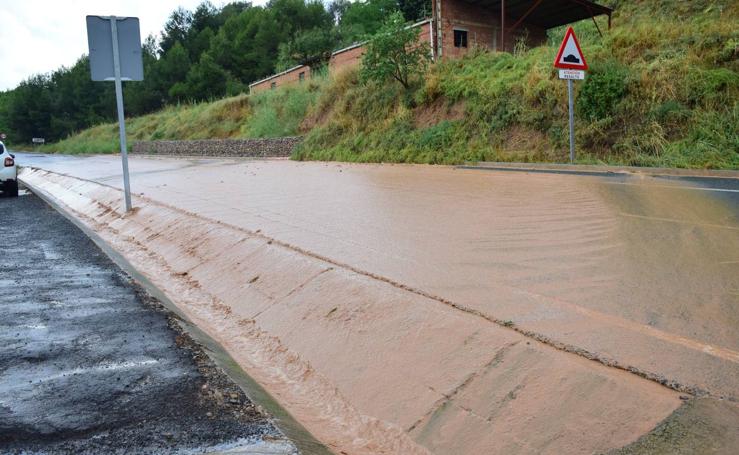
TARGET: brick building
(456,26)
(293,75)
(460,25)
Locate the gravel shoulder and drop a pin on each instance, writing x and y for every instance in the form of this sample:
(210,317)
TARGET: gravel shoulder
(701,426)
(90,363)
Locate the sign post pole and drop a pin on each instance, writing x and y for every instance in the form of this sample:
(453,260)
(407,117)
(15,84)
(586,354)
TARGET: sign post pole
(121,116)
(115,55)
(572,120)
(572,66)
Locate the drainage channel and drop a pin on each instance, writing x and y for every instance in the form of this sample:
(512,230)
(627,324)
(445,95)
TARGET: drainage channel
(306,443)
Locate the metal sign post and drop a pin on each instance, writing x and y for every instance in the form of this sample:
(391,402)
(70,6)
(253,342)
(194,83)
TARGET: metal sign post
(115,55)
(570,89)
(572,67)
(121,116)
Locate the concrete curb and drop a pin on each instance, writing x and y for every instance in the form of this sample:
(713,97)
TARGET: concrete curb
(591,169)
(279,416)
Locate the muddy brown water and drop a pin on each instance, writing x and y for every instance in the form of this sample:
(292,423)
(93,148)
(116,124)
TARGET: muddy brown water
(635,272)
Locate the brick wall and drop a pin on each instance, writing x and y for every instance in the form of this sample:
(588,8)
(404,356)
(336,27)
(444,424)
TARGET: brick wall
(257,148)
(291,76)
(346,58)
(424,35)
(352,56)
(482,25)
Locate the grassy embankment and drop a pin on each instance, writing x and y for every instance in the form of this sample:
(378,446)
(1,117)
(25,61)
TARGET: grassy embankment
(269,114)
(663,90)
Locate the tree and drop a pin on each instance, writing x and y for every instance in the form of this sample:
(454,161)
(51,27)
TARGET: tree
(176,29)
(205,80)
(415,10)
(205,16)
(310,36)
(337,8)
(395,52)
(298,15)
(77,101)
(173,66)
(30,109)
(145,96)
(247,44)
(360,20)
(4,120)
(312,47)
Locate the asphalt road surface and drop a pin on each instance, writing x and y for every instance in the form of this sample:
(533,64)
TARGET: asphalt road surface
(91,364)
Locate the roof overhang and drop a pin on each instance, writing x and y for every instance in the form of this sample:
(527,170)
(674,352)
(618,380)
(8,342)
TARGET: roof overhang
(546,13)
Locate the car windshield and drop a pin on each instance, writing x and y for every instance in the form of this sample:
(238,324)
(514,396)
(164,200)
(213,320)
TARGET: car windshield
(2,149)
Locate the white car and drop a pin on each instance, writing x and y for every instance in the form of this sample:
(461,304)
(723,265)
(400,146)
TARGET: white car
(8,172)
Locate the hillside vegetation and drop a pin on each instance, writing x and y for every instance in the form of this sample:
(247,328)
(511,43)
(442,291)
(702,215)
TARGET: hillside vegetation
(269,114)
(663,90)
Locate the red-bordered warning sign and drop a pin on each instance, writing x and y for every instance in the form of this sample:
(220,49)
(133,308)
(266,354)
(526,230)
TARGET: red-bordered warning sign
(570,56)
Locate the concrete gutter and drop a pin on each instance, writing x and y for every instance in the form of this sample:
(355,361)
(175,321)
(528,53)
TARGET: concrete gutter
(303,440)
(592,169)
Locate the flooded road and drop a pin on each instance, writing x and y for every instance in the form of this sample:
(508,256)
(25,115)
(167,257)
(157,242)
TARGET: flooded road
(442,299)
(639,270)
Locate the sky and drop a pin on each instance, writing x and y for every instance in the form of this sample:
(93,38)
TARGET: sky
(39,36)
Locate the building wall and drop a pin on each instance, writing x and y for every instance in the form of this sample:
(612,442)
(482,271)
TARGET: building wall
(425,34)
(352,56)
(346,58)
(482,25)
(291,76)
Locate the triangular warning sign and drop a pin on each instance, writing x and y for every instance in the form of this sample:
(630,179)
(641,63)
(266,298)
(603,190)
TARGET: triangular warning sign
(570,55)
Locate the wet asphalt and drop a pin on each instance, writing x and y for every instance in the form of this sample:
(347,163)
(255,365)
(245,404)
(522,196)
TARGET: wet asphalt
(89,363)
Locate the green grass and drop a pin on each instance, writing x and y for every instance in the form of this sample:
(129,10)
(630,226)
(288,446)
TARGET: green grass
(280,112)
(267,114)
(663,90)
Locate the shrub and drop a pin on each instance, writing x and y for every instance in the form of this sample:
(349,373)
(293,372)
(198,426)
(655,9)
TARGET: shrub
(437,137)
(395,53)
(602,91)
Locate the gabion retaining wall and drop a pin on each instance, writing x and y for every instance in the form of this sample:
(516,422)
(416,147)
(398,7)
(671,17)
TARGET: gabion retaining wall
(258,148)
